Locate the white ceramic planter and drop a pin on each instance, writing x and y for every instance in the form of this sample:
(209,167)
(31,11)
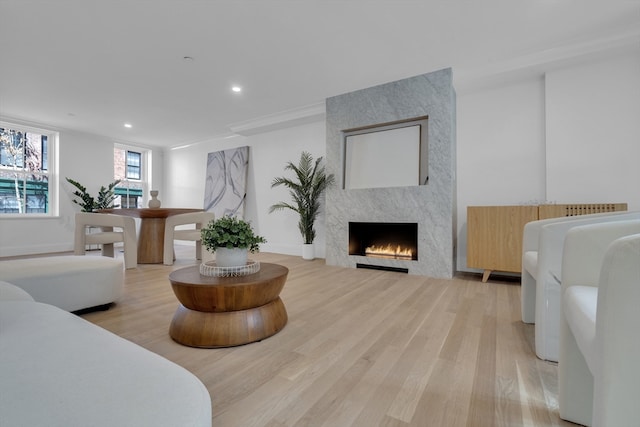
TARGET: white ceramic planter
(307,251)
(235,257)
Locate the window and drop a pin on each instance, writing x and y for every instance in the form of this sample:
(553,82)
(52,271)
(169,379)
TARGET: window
(133,165)
(129,167)
(25,173)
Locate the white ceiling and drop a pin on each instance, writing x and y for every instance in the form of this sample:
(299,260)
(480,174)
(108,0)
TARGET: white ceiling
(92,65)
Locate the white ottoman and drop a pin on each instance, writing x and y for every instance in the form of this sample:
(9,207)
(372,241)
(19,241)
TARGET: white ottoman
(69,282)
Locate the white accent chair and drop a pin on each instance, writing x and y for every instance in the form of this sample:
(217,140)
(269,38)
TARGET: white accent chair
(542,245)
(172,233)
(125,232)
(598,371)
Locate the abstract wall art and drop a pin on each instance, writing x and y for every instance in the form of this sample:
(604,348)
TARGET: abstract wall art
(225,186)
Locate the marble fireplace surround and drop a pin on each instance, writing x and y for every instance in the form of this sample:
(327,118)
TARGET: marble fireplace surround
(431,206)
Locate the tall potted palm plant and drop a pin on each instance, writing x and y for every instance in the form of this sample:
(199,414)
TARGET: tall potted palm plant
(306,188)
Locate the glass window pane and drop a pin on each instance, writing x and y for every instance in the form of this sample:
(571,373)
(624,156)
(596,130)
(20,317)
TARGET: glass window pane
(45,153)
(133,165)
(12,153)
(133,172)
(11,192)
(37,194)
(133,158)
(33,152)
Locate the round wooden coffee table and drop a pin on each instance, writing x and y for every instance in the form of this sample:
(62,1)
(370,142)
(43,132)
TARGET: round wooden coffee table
(227,311)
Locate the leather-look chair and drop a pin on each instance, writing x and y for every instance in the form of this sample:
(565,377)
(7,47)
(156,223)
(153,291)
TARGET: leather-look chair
(114,228)
(598,371)
(542,245)
(172,233)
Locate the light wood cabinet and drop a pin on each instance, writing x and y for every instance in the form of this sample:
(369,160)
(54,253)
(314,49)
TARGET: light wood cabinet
(494,237)
(494,233)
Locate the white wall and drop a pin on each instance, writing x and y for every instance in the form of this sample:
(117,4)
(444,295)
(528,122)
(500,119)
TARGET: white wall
(185,171)
(593,132)
(500,156)
(571,135)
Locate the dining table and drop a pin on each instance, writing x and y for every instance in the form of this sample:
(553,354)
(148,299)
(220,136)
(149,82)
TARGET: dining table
(151,234)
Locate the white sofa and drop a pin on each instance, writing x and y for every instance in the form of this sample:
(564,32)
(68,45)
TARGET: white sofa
(542,245)
(69,282)
(598,371)
(59,370)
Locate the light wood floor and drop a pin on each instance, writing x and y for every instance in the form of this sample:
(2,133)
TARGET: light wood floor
(362,348)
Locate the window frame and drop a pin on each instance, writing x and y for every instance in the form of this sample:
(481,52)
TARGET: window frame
(145,170)
(128,166)
(49,159)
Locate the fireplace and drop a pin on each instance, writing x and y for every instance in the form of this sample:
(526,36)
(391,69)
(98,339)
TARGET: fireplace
(386,240)
(431,205)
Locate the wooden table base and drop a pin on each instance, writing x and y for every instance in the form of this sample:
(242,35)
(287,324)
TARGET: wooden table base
(220,311)
(227,329)
(151,233)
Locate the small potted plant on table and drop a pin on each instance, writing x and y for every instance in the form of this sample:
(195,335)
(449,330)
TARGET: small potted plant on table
(231,239)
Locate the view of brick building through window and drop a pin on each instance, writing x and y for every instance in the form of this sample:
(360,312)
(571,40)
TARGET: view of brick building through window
(127,167)
(24,174)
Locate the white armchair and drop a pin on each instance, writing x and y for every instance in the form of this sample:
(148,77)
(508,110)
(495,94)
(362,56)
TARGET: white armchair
(125,231)
(598,371)
(172,233)
(542,245)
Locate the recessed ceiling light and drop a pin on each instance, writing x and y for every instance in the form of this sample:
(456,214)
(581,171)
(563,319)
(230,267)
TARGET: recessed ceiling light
(128,125)
(236,89)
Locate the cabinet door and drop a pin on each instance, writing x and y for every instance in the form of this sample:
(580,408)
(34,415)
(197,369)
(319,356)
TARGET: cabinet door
(494,236)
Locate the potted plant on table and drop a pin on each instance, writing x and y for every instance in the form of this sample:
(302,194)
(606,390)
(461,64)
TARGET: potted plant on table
(231,239)
(105,200)
(306,189)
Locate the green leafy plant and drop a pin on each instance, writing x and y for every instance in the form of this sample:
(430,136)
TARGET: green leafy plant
(106,196)
(306,189)
(230,232)
(105,199)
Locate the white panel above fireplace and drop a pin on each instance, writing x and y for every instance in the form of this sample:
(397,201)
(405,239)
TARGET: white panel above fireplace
(389,158)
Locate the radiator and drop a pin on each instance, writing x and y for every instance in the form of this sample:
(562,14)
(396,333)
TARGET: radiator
(554,211)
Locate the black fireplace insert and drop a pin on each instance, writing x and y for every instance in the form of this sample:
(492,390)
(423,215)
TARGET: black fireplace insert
(390,240)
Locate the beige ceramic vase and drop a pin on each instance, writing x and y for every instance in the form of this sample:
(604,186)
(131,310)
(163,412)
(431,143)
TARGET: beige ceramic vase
(154,202)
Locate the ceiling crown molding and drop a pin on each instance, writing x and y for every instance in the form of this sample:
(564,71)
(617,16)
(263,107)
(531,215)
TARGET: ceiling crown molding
(285,119)
(540,62)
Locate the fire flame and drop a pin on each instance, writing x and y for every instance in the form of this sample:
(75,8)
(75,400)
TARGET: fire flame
(389,251)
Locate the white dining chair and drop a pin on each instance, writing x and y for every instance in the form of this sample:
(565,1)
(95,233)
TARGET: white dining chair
(173,231)
(113,229)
